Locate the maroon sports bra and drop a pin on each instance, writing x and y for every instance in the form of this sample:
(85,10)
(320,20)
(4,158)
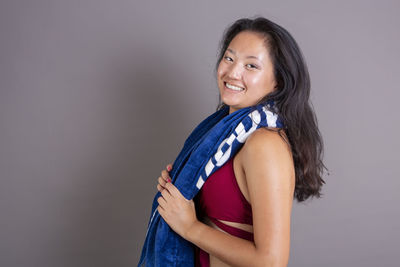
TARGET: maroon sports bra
(220,198)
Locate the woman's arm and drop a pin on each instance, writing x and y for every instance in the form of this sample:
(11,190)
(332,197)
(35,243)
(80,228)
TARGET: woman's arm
(269,173)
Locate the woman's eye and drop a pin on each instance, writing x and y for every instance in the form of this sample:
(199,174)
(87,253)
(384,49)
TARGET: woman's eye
(228,58)
(251,66)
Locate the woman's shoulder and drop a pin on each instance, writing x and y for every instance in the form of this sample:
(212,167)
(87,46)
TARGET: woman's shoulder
(267,145)
(266,154)
(267,139)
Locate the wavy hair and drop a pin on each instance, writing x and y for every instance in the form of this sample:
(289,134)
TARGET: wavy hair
(291,97)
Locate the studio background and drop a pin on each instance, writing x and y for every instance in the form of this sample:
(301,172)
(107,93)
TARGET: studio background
(98,96)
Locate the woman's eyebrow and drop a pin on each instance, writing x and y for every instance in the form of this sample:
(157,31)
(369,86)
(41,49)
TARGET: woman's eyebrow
(230,50)
(233,52)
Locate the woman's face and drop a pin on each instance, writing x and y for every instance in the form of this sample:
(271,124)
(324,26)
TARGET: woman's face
(245,74)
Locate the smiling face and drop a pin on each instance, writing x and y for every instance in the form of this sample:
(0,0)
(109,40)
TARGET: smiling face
(245,73)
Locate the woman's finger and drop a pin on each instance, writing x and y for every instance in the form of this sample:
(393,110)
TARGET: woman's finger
(165,175)
(160,210)
(160,188)
(172,190)
(169,167)
(166,195)
(161,201)
(161,181)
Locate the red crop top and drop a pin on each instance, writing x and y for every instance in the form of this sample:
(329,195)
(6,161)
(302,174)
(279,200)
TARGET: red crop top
(220,198)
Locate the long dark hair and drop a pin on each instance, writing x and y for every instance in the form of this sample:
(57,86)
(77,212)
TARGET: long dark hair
(291,98)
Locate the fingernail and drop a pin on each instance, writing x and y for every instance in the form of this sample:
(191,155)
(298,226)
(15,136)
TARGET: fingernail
(169,180)
(169,168)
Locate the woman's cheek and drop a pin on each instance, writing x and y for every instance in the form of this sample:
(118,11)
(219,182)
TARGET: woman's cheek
(221,70)
(220,74)
(253,79)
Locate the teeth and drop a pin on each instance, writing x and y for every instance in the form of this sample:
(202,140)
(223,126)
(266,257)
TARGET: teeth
(230,86)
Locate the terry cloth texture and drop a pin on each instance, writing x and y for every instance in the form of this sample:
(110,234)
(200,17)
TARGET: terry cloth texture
(212,143)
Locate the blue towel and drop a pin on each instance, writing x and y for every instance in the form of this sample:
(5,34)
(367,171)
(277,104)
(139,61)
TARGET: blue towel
(212,143)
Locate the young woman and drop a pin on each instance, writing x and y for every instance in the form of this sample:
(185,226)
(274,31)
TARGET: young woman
(241,215)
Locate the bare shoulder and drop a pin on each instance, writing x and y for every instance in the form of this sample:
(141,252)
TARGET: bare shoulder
(268,142)
(267,154)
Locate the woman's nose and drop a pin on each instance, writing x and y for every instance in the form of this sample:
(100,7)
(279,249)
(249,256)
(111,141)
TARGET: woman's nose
(235,72)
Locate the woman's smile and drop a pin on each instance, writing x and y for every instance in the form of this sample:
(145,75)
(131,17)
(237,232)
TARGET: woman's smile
(230,87)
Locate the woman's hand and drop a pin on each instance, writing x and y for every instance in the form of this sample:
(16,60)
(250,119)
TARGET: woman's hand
(178,212)
(164,178)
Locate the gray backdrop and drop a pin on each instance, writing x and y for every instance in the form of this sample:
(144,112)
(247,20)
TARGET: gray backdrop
(98,96)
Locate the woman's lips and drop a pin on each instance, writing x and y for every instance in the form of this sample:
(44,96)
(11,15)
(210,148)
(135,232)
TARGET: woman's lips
(232,90)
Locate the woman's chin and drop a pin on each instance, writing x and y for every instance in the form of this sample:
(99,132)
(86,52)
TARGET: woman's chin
(232,107)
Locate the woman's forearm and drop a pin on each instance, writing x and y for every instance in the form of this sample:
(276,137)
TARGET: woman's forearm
(230,249)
